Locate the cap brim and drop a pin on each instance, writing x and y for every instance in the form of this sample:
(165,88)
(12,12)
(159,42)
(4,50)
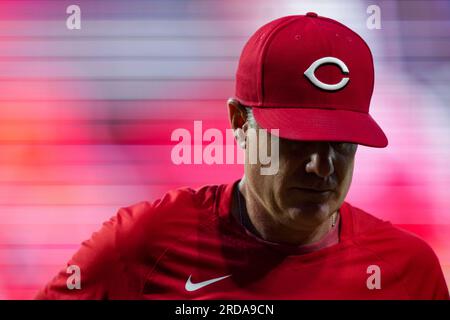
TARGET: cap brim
(322,125)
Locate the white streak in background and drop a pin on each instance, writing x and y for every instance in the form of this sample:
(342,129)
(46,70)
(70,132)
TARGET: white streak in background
(162,29)
(124,70)
(120,89)
(186,30)
(193,50)
(350,13)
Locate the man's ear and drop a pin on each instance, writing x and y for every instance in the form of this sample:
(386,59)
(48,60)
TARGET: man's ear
(236,113)
(238,119)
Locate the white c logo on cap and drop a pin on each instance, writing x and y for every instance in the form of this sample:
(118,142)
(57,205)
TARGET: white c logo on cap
(309,73)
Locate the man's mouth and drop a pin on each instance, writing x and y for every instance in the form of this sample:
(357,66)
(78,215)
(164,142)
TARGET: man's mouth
(315,191)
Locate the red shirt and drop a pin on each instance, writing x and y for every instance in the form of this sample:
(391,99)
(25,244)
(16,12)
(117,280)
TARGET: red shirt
(187,245)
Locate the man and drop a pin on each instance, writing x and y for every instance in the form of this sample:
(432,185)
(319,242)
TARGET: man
(287,235)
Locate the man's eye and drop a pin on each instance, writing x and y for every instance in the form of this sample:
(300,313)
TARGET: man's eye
(344,146)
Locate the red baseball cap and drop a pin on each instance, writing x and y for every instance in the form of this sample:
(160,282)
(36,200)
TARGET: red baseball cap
(312,78)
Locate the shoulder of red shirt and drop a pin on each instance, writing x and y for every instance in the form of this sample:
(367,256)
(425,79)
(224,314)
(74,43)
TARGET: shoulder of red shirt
(139,235)
(185,209)
(182,211)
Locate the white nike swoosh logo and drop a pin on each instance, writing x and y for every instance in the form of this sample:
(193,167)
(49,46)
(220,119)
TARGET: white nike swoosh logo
(195,286)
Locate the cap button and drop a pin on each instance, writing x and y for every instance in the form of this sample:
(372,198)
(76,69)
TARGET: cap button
(312,14)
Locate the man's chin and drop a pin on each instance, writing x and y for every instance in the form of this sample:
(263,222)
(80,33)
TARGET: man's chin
(312,211)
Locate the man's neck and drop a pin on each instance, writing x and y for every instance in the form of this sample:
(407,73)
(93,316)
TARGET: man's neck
(258,221)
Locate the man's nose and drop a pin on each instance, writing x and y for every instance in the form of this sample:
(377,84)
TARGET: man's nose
(321,162)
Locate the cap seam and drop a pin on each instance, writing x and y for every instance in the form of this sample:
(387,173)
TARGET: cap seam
(266,44)
(338,108)
(330,107)
(363,41)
